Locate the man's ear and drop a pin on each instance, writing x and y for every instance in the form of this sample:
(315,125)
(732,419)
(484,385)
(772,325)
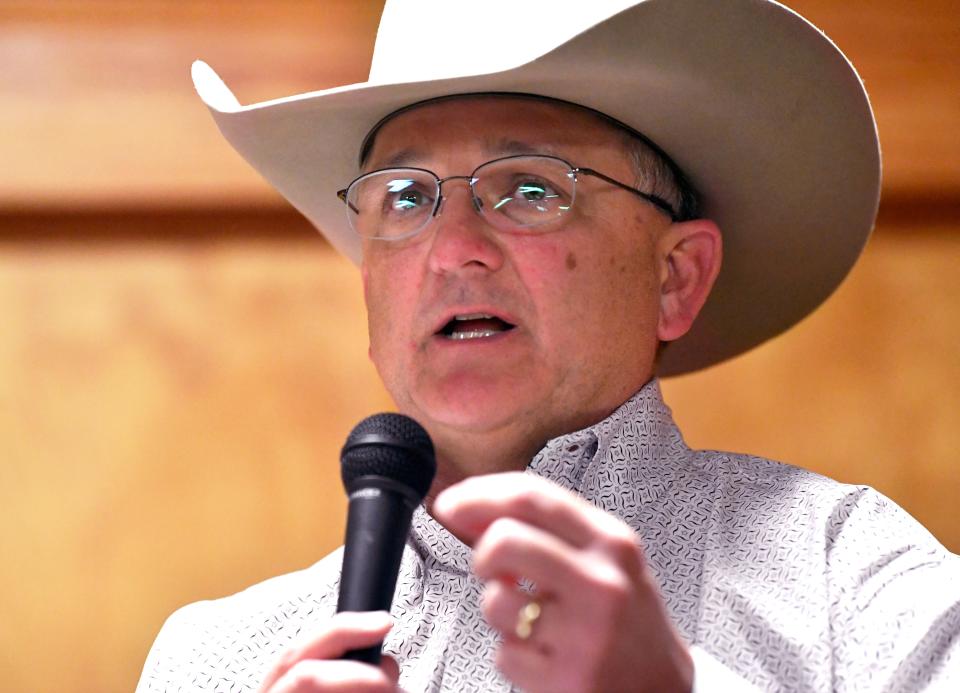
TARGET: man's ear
(690,253)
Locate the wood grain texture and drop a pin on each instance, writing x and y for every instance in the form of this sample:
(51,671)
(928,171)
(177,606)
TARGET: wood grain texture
(170,424)
(908,55)
(98,108)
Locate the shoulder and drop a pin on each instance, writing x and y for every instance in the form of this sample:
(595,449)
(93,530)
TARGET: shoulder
(278,598)
(747,483)
(841,520)
(236,638)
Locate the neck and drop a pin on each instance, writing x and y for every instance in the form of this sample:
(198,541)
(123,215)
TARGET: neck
(508,446)
(461,455)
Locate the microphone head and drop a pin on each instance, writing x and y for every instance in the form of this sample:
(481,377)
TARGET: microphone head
(392,446)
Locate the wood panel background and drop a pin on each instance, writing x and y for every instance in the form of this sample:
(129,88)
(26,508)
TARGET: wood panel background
(181,356)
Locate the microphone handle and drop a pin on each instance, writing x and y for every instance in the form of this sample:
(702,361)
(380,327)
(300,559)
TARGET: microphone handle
(378,520)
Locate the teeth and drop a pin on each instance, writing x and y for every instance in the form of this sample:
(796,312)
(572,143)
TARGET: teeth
(473,334)
(476,331)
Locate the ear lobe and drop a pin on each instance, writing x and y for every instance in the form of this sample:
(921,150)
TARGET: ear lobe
(691,253)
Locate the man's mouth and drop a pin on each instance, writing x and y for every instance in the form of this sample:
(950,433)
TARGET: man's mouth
(474,326)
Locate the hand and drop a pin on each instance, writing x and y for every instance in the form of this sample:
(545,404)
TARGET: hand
(603,625)
(312,667)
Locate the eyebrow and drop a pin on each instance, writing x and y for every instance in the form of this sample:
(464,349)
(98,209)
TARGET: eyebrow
(411,156)
(404,157)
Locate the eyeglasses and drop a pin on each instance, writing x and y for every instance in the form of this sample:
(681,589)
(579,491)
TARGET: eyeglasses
(513,193)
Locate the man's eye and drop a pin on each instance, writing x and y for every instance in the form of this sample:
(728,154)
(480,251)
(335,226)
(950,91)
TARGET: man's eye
(408,199)
(528,195)
(403,196)
(534,191)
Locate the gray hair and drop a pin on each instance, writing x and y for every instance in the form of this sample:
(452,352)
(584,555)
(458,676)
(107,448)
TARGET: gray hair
(656,174)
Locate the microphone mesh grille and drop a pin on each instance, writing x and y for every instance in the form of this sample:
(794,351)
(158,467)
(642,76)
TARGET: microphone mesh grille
(392,446)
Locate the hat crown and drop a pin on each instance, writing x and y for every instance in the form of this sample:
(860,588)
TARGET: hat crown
(421,40)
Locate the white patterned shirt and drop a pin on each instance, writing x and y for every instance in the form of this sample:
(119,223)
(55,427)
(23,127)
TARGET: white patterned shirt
(779,578)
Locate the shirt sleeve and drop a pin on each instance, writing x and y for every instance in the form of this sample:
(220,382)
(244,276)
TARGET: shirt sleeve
(894,600)
(710,675)
(229,644)
(167,668)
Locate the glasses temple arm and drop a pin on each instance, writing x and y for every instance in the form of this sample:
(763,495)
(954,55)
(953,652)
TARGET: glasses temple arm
(342,194)
(655,200)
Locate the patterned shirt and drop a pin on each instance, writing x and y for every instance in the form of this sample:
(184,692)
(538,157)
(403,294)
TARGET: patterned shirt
(779,578)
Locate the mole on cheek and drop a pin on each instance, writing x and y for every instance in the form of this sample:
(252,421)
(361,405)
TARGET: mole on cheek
(571,261)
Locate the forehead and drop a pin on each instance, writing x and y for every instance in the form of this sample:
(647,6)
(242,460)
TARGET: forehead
(490,126)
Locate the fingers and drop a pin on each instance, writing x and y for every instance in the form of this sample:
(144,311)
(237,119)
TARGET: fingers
(501,607)
(469,507)
(346,631)
(335,675)
(598,599)
(526,662)
(390,667)
(525,665)
(510,549)
(316,659)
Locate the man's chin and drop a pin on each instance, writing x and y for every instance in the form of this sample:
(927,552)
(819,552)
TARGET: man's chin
(474,405)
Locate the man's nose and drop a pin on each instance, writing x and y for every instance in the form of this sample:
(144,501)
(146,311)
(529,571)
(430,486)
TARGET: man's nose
(462,239)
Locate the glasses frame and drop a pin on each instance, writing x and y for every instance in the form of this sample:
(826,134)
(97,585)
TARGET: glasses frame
(572,171)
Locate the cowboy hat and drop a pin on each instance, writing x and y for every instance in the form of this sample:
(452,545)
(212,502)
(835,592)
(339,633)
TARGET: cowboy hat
(765,116)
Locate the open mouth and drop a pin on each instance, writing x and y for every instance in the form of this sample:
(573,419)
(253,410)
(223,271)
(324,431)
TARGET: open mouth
(474,326)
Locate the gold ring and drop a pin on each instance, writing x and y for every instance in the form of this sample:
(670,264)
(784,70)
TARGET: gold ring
(526,618)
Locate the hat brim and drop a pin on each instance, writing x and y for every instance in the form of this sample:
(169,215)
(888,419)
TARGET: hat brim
(763,113)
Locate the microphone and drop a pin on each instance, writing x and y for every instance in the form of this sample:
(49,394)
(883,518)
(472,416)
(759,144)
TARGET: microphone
(387,466)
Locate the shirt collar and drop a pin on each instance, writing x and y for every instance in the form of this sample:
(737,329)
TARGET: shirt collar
(639,444)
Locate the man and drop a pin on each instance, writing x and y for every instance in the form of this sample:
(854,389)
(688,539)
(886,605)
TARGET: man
(533,254)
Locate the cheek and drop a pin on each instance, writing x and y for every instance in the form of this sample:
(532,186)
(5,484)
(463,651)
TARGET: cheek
(383,292)
(394,280)
(542,261)
(612,292)
(565,282)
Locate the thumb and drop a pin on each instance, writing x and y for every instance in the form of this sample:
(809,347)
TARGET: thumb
(390,667)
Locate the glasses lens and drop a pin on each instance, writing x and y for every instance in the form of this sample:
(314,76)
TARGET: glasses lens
(394,203)
(524,191)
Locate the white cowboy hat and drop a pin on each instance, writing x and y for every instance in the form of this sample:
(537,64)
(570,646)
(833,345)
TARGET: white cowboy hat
(766,117)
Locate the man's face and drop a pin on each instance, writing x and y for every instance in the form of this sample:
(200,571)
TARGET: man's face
(582,295)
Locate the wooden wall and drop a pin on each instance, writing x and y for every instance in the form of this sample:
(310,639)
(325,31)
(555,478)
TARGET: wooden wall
(181,356)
